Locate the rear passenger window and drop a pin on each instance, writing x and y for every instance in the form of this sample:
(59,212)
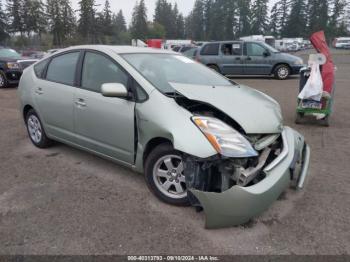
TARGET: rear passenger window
(62,68)
(98,70)
(40,68)
(210,49)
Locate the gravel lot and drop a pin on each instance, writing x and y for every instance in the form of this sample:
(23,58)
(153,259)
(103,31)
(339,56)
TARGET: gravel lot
(65,201)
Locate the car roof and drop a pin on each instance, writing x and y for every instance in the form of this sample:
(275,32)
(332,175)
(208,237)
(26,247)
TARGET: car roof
(121,49)
(230,41)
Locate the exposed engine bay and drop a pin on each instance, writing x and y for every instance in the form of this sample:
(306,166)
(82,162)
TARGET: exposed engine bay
(219,173)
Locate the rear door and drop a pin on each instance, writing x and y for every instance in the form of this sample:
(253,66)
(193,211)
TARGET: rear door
(231,58)
(257,59)
(104,124)
(54,93)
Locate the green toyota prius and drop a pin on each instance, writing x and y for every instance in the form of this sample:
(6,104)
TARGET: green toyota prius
(199,138)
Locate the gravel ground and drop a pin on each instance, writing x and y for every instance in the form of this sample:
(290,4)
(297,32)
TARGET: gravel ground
(65,201)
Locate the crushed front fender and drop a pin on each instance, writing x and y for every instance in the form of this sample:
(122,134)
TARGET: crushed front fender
(238,205)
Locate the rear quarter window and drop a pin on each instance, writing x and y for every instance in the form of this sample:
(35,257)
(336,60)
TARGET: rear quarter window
(39,68)
(210,49)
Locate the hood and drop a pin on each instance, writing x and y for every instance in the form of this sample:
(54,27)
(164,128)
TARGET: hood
(254,111)
(288,57)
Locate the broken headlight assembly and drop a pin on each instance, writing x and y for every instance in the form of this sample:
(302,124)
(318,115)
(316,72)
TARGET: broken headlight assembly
(227,141)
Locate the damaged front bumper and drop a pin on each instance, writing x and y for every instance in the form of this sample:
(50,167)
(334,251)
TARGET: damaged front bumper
(238,205)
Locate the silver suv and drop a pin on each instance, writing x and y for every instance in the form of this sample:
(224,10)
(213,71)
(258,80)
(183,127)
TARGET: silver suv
(249,58)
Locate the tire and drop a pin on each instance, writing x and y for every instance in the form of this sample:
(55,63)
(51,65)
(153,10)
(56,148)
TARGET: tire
(36,131)
(215,68)
(3,80)
(164,175)
(282,72)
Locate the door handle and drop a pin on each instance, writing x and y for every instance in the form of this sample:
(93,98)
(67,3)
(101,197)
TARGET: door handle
(39,91)
(80,102)
(238,58)
(249,58)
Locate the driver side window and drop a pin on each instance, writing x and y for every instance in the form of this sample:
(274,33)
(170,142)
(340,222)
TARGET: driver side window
(98,70)
(254,49)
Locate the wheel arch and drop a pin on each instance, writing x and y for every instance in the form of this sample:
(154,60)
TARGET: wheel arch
(152,144)
(26,109)
(214,64)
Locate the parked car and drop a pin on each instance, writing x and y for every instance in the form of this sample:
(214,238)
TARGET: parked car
(191,53)
(341,42)
(198,137)
(249,58)
(12,65)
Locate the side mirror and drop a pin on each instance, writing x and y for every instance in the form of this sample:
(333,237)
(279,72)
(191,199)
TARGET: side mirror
(266,54)
(114,90)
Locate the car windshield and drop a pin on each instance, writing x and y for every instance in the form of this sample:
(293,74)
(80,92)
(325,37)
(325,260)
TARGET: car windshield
(164,69)
(9,53)
(270,48)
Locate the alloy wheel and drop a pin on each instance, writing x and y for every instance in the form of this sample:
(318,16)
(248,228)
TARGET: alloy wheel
(34,128)
(169,178)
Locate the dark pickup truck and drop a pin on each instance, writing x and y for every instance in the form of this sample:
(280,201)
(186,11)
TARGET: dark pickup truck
(12,65)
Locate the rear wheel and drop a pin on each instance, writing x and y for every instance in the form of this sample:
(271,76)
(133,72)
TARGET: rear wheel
(36,131)
(164,175)
(282,72)
(3,80)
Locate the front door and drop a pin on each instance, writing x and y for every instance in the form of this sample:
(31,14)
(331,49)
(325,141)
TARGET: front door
(257,59)
(104,124)
(54,95)
(231,58)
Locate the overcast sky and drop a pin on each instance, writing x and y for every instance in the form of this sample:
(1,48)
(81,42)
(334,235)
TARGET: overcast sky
(185,6)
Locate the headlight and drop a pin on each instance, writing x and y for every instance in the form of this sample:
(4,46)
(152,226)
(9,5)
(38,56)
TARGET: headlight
(299,62)
(226,141)
(12,65)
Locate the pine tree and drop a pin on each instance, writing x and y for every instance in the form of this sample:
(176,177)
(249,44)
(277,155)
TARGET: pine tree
(336,24)
(197,21)
(62,23)
(34,17)
(15,13)
(3,25)
(318,15)
(86,26)
(297,20)
(119,22)
(180,27)
(244,26)
(107,18)
(139,26)
(259,16)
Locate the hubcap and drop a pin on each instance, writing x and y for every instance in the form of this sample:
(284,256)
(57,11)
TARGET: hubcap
(34,128)
(283,72)
(169,178)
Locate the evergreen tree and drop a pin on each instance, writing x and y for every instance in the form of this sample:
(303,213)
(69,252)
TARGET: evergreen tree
(3,25)
(318,15)
(62,23)
(336,20)
(119,22)
(87,23)
(259,20)
(244,26)
(279,17)
(15,13)
(197,21)
(34,17)
(297,20)
(180,27)
(107,18)
(139,26)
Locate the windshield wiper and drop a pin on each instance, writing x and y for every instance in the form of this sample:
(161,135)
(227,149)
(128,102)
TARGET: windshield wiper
(173,94)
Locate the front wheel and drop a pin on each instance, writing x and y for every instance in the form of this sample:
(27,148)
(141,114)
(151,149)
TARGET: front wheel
(164,175)
(282,72)
(3,80)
